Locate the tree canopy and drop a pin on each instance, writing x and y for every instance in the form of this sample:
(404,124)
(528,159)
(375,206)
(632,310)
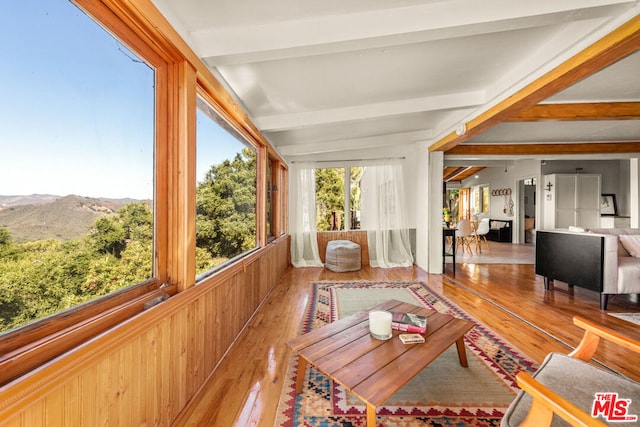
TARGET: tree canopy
(39,278)
(226,207)
(330,197)
(47,276)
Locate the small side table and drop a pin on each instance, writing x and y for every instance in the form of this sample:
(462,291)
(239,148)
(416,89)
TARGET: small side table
(449,232)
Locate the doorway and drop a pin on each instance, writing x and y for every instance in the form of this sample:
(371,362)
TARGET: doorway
(527,210)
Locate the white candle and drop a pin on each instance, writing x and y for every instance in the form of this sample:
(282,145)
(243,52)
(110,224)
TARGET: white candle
(380,324)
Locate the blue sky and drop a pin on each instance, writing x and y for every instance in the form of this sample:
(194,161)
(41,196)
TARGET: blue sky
(76,108)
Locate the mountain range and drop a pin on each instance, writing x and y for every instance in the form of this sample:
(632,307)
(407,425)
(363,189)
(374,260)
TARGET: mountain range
(45,216)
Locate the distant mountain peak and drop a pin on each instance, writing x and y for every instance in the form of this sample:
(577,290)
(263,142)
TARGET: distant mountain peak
(43,216)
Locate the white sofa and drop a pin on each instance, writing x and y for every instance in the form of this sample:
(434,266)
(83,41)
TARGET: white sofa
(595,260)
(621,270)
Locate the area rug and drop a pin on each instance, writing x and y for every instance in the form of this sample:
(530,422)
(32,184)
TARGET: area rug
(629,317)
(442,395)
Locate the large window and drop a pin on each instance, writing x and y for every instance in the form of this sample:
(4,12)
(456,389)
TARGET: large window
(330,192)
(98,157)
(480,200)
(226,191)
(77,114)
(334,211)
(275,193)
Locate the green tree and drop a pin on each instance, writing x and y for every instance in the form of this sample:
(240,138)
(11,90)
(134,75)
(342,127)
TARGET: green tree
(44,277)
(124,244)
(7,247)
(329,197)
(356,195)
(108,273)
(226,207)
(137,221)
(5,237)
(108,236)
(134,222)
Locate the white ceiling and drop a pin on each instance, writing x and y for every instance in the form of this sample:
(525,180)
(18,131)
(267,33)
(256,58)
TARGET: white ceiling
(332,75)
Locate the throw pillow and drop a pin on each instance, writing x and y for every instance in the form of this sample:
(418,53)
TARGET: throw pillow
(631,243)
(497,225)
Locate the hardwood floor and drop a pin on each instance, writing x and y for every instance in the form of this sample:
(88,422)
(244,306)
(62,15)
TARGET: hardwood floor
(510,299)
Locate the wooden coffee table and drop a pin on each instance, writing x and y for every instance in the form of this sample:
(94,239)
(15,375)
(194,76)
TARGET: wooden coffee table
(373,369)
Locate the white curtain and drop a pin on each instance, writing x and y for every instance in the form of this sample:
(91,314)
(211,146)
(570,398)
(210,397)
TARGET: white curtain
(302,216)
(384,215)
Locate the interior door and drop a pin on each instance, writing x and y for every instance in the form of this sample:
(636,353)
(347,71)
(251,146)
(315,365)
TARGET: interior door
(565,201)
(588,201)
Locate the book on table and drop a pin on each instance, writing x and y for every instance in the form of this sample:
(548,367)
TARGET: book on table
(408,322)
(411,338)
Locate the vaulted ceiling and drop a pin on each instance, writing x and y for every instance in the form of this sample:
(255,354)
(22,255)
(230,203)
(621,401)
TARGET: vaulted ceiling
(470,78)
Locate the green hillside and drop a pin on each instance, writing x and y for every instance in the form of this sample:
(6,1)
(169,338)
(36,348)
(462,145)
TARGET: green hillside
(63,219)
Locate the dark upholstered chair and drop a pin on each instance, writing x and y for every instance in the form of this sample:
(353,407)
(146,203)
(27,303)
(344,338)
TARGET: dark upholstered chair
(562,391)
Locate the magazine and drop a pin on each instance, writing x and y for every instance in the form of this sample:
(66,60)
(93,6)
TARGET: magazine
(408,322)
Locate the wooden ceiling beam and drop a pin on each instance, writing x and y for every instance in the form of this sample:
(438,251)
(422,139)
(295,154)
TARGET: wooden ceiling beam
(583,111)
(451,175)
(451,171)
(545,149)
(460,173)
(618,44)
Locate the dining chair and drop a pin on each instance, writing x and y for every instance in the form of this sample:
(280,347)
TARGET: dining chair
(481,232)
(465,235)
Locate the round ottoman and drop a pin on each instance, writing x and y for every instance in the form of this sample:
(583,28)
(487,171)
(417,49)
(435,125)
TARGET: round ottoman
(342,255)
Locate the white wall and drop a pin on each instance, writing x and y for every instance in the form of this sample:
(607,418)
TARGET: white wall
(615,178)
(497,179)
(623,191)
(429,236)
(634,186)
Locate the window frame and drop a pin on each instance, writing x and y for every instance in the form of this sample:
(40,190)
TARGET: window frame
(482,206)
(276,179)
(250,143)
(347,166)
(180,76)
(26,347)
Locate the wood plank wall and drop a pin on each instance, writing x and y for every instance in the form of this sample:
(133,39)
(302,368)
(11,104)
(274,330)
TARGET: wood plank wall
(145,371)
(356,236)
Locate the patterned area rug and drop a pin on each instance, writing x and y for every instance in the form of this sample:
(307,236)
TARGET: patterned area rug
(443,394)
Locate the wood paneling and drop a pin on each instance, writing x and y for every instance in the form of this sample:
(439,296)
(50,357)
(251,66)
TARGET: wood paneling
(356,236)
(146,370)
(579,112)
(459,173)
(509,299)
(537,149)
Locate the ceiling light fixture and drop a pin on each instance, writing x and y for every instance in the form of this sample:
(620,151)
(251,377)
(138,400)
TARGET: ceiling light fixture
(461,129)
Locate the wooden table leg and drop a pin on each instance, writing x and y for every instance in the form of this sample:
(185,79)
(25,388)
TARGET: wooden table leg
(302,367)
(462,353)
(371,416)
